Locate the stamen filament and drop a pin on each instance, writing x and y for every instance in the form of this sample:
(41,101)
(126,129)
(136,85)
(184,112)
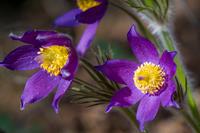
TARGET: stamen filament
(53,58)
(149,78)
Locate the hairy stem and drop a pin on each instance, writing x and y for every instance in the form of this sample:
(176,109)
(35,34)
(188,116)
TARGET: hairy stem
(181,75)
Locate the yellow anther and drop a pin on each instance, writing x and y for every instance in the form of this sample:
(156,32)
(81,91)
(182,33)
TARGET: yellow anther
(53,58)
(149,78)
(87,4)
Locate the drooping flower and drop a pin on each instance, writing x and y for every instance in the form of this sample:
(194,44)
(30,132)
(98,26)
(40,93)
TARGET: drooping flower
(88,12)
(150,80)
(53,54)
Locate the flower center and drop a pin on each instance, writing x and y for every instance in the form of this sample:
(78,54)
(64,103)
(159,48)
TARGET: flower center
(53,58)
(87,4)
(149,78)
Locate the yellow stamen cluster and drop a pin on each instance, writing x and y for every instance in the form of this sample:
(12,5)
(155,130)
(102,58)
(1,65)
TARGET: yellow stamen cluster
(53,58)
(87,4)
(149,78)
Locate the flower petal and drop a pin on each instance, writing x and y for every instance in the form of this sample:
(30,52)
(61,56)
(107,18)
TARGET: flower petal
(87,38)
(173,54)
(167,95)
(68,19)
(62,88)
(22,58)
(43,38)
(93,14)
(147,109)
(70,68)
(124,97)
(118,70)
(55,39)
(167,62)
(1,64)
(30,36)
(143,49)
(38,87)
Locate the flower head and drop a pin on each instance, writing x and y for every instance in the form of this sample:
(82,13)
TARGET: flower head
(50,51)
(149,78)
(53,58)
(84,5)
(149,81)
(87,12)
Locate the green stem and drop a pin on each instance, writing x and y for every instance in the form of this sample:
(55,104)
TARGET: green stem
(168,43)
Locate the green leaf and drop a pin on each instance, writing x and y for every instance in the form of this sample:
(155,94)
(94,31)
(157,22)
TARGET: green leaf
(148,3)
(94,94)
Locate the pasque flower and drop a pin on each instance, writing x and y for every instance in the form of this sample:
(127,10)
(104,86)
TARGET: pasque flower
(88,12)
(150,80)
(56,59)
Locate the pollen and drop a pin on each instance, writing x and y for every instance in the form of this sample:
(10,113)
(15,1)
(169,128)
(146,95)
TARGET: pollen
(149,78)
(53,58)
(87,4)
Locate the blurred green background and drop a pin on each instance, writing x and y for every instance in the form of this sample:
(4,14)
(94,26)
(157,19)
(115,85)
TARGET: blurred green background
(20,15)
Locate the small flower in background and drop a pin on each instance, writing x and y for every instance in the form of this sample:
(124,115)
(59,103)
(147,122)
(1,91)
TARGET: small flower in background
(150,81)
(88,12)
(53,53)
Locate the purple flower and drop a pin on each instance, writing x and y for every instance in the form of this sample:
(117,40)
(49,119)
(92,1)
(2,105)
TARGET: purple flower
(149,81)
(88,12)
(53,53)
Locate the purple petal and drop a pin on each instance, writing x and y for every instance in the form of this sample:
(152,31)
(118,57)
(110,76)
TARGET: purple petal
(124,97)
(71,67)
(43,38)
(102,1)
(173,54)
(93,14)
(68,19)
(55,39)
(38,87)
(62,88)
(118,70)
(1,64)
(147,110)
(173,103)
(22,58)
(167,62)
(30,36)
(167,95)
(143,49)
(86,38)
